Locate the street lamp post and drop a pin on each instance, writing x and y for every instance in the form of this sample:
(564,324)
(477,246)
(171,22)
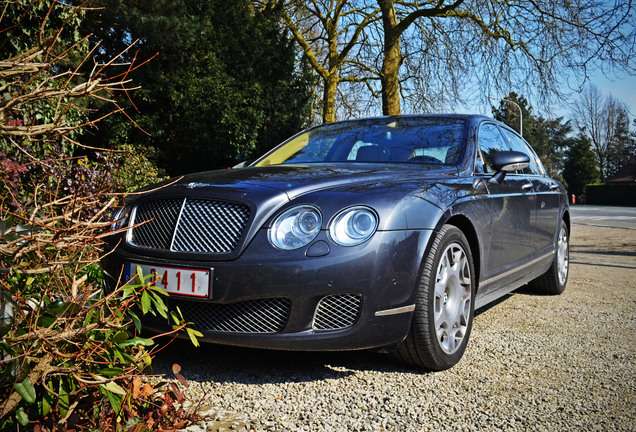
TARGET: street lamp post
(520,112)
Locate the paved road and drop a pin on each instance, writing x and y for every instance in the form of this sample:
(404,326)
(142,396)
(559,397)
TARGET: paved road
(604,216)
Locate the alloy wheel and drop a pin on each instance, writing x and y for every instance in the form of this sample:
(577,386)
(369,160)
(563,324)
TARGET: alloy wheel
(563,258)
(453,297)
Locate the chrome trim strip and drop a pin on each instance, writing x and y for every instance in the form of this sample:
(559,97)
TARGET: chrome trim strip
(516,269)
(176,225)
(403,309)
(131,224)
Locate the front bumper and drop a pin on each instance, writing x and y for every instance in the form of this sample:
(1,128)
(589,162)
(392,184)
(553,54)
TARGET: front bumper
(322,297)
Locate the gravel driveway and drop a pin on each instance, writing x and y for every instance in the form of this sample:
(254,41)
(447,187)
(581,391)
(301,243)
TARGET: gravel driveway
(534,362)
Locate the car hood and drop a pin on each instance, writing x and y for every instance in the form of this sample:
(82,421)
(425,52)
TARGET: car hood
(266,189)
(331,187)
(297,180)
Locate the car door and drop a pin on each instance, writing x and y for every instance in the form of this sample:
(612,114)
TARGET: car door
(512,211)
(547,197)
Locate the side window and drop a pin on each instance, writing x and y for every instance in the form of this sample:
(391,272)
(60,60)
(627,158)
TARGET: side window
(520,145)
(490,142)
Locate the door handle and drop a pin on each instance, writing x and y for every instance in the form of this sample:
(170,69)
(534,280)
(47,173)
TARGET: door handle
(527,186)
(554,186)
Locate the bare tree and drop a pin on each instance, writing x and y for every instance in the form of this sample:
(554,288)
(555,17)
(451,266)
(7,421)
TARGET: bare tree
(329,32)
(430,52)
(527,45)
(603,119)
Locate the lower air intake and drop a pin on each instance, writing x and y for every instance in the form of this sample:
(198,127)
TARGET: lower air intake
(337,312)
(252,316)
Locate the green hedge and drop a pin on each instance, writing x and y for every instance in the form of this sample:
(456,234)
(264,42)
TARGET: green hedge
(618,194)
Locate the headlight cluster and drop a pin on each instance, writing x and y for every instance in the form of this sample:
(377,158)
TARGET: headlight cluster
(295,228)
(353,226)
(298,226)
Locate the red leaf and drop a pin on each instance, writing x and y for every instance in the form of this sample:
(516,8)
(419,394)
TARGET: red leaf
(182,380)
(176,368)
(178,394)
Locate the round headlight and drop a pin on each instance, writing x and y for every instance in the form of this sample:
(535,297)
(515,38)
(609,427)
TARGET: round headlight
(353,226)
(295,228)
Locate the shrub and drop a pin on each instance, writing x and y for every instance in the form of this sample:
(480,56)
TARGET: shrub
(69,356)
(617,194)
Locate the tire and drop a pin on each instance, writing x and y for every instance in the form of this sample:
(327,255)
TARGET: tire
(444,305)
(553,281)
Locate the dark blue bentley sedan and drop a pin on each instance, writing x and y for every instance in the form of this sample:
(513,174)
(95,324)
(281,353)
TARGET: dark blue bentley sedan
(372,233)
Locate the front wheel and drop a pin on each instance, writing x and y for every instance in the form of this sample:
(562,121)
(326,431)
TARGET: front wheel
(554,280)
(444,306)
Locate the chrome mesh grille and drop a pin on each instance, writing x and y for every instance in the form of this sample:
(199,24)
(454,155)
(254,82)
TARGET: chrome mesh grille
(337,311)
(210,226)
(189,225)
(156,220)
(252,316)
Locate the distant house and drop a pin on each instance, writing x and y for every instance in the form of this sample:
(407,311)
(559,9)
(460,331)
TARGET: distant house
(625,174)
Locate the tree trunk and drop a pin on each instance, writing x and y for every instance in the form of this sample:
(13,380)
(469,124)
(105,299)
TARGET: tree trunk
(390,80)
(329,98)
(389,75)
(602,161)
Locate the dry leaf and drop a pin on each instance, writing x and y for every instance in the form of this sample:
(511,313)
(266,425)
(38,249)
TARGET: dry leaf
(136,386)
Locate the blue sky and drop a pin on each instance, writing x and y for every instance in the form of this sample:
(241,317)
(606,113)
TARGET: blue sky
(622,86)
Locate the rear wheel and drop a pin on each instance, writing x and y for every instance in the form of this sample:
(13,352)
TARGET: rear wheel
(554,280)
(444,308)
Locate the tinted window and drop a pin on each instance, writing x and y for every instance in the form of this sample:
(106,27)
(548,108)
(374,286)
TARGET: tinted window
(425,140)
(520,145)
(490,142)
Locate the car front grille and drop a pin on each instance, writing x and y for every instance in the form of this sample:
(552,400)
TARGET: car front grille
(189,225)
(252,316)
(335,312)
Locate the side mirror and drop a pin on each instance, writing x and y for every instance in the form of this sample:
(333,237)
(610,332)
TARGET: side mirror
(508,161)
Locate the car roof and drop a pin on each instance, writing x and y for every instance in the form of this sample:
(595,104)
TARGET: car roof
(473,118)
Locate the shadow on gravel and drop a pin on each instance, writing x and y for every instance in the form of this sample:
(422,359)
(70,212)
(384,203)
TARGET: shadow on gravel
(491,305)
(225,364)
(585,255)
(523,291)
(222,364)
(603,265)
(594,251)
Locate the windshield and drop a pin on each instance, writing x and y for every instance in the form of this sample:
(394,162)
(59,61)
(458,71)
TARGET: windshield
(426,140)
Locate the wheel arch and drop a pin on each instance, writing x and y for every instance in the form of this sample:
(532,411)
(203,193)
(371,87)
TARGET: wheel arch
(566,219)
(466,226)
